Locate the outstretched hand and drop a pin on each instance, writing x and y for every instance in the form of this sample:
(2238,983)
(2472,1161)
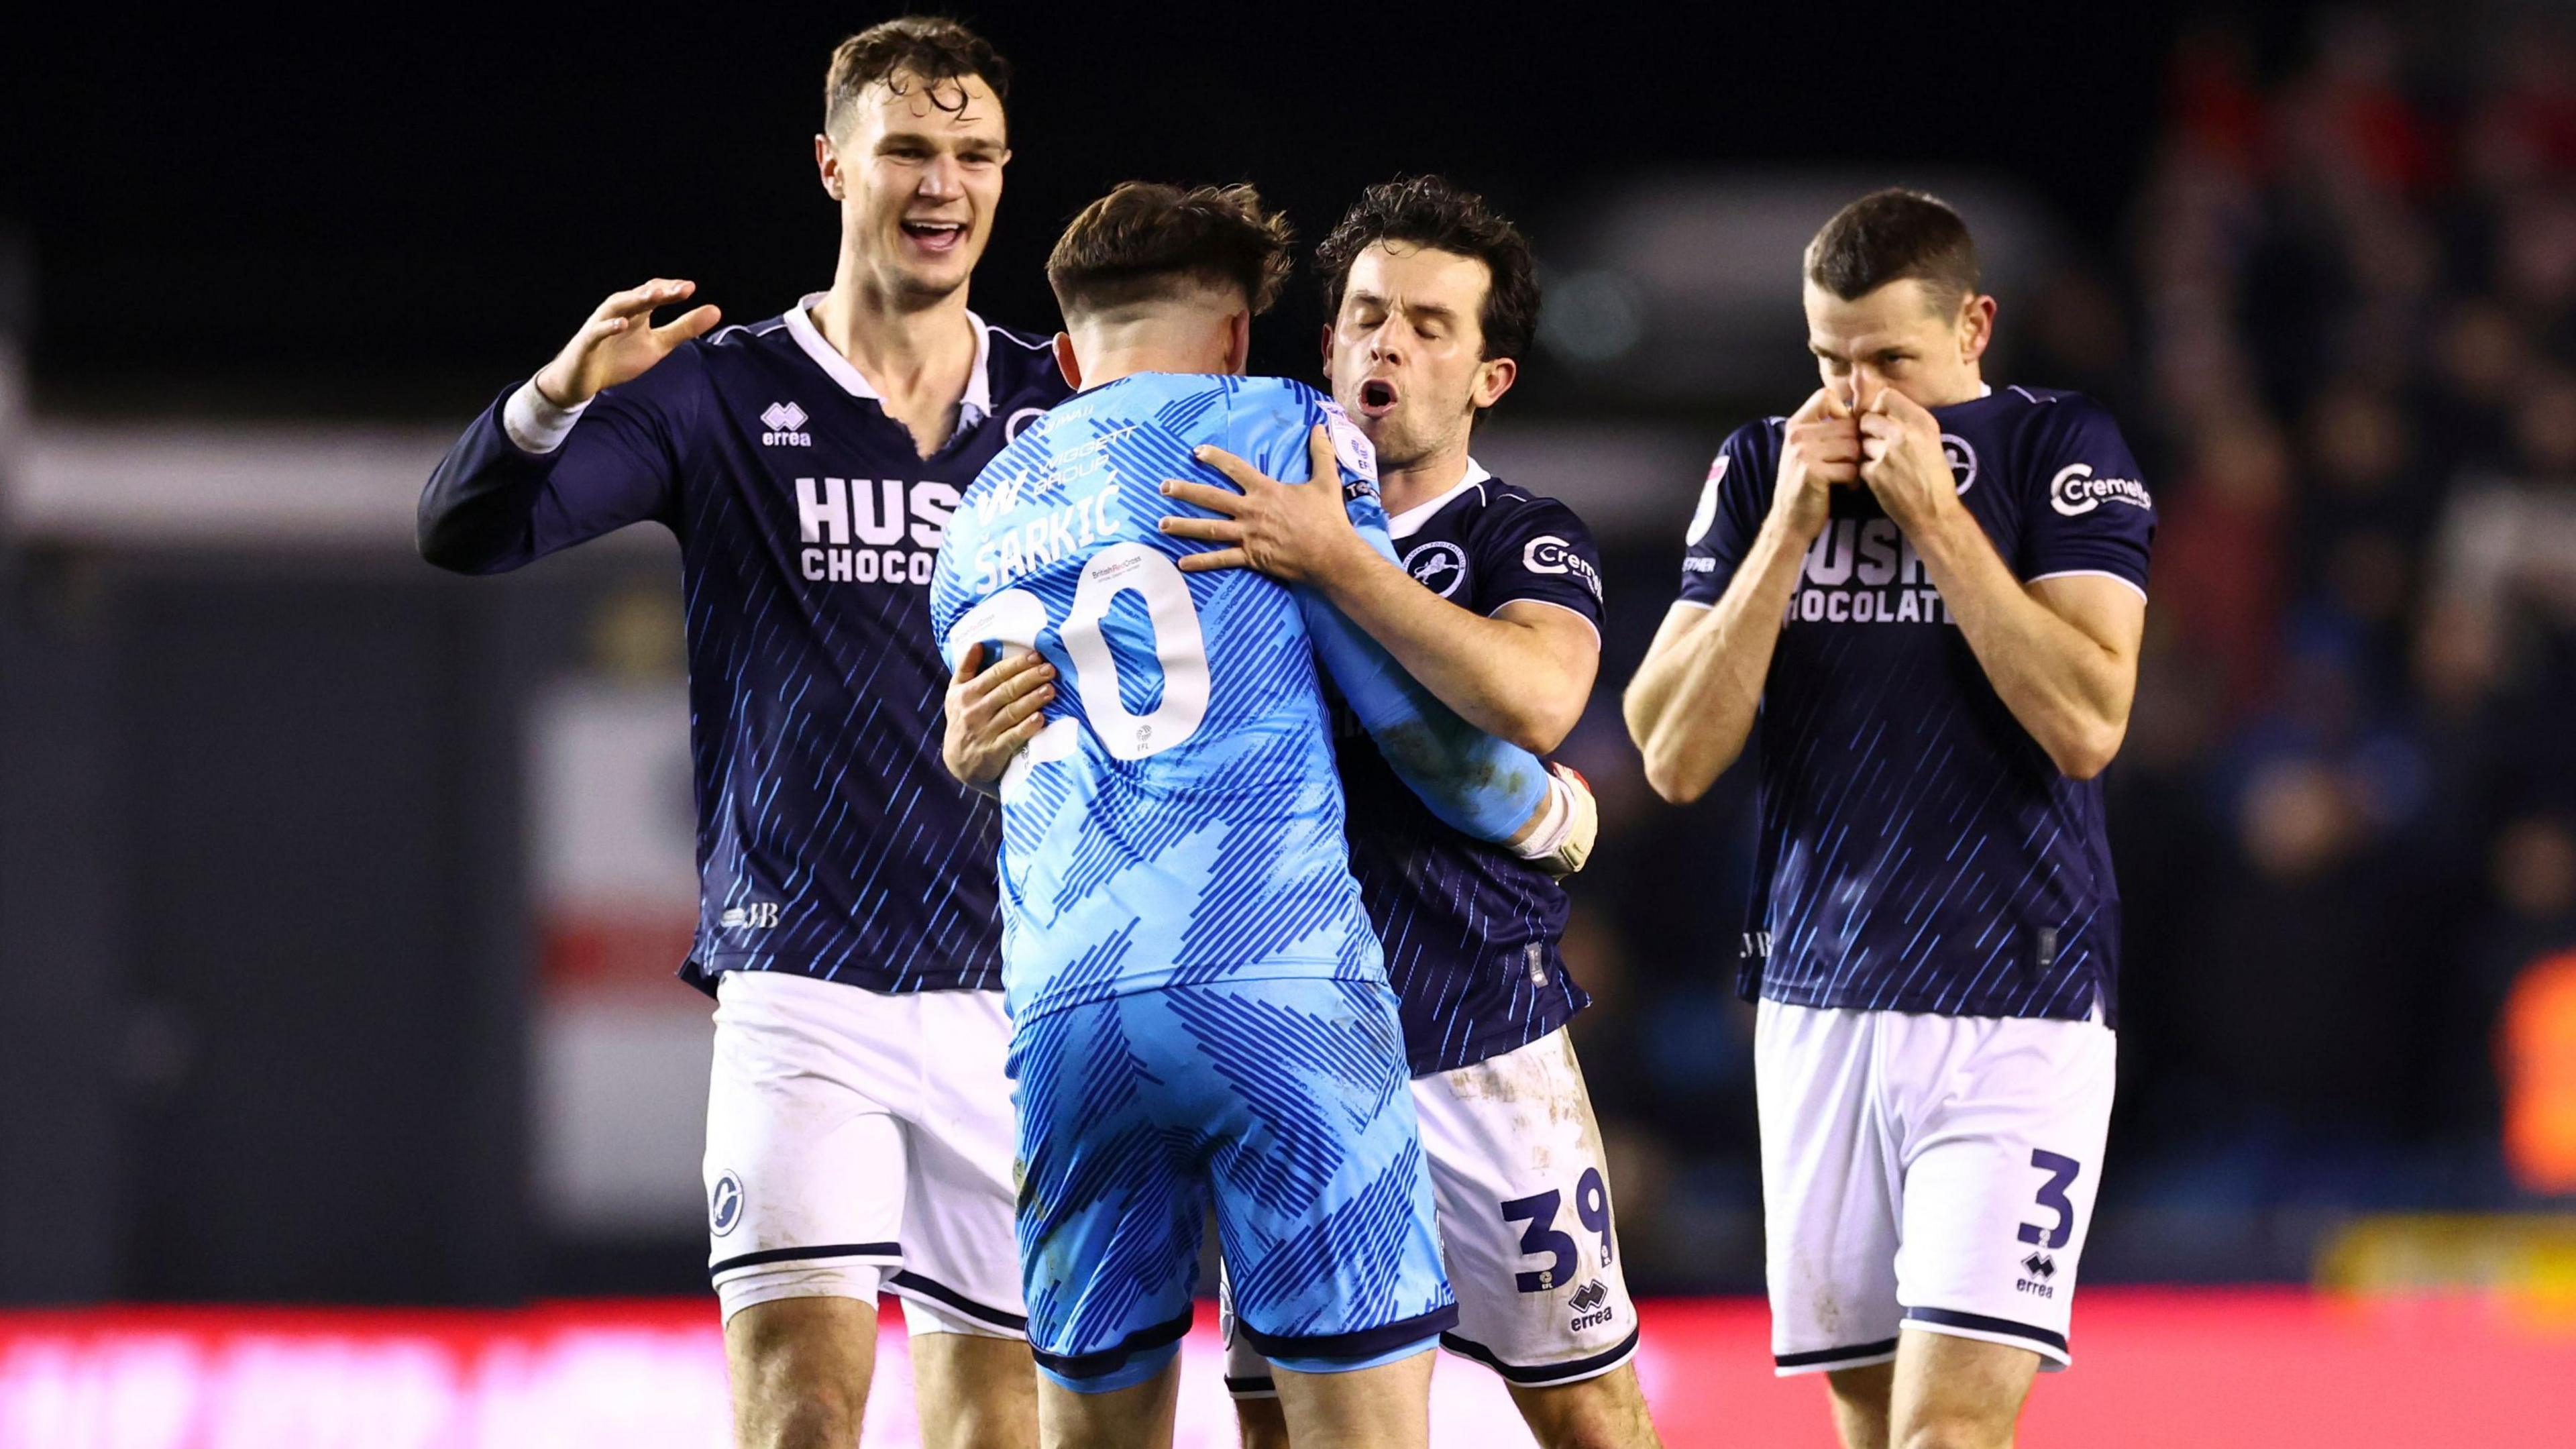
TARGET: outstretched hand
(620,343)
(1292,532)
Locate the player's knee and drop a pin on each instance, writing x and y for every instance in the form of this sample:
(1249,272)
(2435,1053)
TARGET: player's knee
(800,1373)
(823,1422)
(1953,1431)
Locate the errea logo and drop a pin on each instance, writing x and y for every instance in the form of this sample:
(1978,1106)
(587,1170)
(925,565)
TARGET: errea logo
(784,421)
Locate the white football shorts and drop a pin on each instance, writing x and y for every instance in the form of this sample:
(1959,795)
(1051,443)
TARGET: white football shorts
(860,1142)
(1931,1171)
(1525,1225)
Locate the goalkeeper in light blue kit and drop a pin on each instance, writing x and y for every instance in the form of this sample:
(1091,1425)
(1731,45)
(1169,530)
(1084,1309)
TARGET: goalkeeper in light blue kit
(1200,1012)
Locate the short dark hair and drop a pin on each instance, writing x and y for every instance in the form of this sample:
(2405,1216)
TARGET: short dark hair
(1888,236)
(1145,241)
(931,48)
(1434,212)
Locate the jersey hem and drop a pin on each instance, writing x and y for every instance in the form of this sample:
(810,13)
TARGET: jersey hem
(702,971)
(1929,1004)
(1510,1037)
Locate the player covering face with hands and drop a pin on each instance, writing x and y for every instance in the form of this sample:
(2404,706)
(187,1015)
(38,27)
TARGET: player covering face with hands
(1924,597)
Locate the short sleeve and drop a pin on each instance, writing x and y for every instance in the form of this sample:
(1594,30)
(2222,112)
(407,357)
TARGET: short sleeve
(2091,513)
(1536,549)
(1729,515)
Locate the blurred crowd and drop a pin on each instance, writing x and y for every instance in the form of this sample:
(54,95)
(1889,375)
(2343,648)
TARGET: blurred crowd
(2344,345)
(2343,820)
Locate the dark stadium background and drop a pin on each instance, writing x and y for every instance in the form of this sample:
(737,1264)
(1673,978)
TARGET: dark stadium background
(267,947)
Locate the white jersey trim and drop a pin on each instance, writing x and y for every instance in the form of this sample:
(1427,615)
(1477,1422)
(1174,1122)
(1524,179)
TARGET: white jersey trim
(2088,574)
(974,407)
(1553,604)
(1410,521)
(536,425)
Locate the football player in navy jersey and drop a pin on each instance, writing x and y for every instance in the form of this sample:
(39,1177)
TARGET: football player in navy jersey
(1924,596)
(859,1132)
(1496,608)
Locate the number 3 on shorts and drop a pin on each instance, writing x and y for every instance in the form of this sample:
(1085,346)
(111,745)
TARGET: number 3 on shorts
(1591,1204)
(2052,1195)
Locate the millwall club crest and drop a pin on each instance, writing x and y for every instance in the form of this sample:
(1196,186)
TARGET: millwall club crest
(1440,567)
(1962,460)
(724,1205)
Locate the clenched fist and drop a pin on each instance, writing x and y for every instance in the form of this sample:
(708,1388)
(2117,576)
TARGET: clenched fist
(1819,449)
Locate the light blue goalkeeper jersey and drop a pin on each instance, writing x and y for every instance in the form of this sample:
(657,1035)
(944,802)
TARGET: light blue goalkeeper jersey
(1180,819)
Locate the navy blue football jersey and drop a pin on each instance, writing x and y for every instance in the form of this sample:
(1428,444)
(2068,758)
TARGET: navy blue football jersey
(1470,929)
(1919,851)
(831,840)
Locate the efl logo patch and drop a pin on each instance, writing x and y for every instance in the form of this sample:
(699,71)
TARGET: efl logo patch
(1706,514)
(784,421)
(1351,447)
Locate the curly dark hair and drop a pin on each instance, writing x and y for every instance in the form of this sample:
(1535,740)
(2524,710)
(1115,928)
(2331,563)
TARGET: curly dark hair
(1888,236)
(1434,212)
(1144,239)
(930,48)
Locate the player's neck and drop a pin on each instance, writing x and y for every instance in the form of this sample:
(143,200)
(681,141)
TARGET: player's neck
(1424,478)
(920,358)
(1111,354)
(1111,366)
(902,348)
(1970,386)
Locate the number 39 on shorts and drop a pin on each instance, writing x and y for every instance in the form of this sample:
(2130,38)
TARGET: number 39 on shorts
(1018,616)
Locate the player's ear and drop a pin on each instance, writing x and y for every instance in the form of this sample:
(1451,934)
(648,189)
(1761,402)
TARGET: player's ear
(1976,327)
(1327,347)
(1066,362)
(827,165)
(1494,377)
(1238,342)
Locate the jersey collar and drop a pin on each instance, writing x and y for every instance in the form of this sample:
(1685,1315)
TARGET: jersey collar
(976,406)
(1410,521)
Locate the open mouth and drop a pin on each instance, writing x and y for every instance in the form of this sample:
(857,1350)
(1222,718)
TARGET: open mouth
(1377,397)
(937,236)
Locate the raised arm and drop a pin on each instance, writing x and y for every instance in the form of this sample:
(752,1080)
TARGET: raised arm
(543,468)
(1691,706)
